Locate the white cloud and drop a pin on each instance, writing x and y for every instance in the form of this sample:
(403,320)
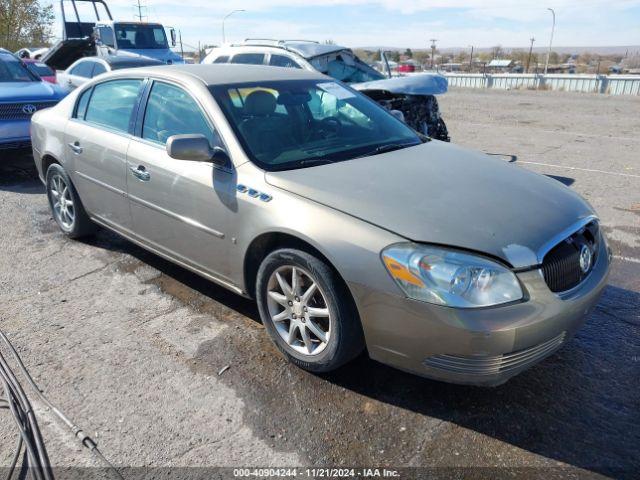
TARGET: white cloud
(479,22)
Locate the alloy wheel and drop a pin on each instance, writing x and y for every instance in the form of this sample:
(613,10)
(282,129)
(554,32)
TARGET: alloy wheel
(62,202)
(299,310)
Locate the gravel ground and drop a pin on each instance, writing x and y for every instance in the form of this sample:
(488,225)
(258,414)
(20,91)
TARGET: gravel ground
(130,346)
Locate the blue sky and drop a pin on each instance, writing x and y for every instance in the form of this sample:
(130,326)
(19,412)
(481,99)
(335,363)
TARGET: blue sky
(399,23)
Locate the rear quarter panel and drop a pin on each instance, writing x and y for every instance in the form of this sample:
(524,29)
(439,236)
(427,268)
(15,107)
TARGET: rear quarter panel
(47,133)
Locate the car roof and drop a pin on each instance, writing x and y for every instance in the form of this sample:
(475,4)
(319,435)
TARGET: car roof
(305,48)
(223,74)
(121,61)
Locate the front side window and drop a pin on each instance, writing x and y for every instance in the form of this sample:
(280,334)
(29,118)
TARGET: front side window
(282,61)
(172,111)
(248,58)
(133,36)
(299,123)
(13,70)
(112,104)
(222,59)
(83,69)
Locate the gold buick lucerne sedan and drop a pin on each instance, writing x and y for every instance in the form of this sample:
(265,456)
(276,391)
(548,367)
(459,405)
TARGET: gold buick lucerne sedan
(349,229)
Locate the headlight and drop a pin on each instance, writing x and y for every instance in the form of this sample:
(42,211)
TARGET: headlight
(450,277)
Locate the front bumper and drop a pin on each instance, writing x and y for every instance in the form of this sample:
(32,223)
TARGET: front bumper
(14,134)
(484,346)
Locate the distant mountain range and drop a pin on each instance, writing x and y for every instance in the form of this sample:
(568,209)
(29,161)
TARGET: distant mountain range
(615,50)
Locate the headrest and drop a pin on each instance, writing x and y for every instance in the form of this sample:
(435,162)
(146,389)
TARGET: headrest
(260,102)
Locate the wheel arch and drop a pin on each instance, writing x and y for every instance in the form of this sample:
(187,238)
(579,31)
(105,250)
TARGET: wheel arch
(46,161)
(267,242)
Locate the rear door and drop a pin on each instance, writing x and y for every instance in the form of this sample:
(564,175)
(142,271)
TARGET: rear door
(97,140)
(180,208)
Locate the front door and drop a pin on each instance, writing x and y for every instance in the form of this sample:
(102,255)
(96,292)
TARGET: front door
(178,207)
(97,140)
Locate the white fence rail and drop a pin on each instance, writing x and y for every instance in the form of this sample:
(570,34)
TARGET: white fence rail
(607,84)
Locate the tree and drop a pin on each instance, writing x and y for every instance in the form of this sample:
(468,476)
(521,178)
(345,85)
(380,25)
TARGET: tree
(497,51)
(408,53)
(25,23)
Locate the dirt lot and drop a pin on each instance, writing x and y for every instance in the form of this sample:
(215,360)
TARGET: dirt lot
(130,346)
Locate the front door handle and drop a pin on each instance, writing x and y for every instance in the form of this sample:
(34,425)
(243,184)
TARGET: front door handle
(75,146)
(140,173)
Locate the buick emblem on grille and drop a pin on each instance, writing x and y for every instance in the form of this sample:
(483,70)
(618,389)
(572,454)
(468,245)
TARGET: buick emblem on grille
(586,257)
(29,109)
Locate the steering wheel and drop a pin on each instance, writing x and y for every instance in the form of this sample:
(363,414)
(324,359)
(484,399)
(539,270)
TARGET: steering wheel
(330,127)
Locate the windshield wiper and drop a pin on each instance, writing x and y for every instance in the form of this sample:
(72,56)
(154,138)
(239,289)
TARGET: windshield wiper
(390,147)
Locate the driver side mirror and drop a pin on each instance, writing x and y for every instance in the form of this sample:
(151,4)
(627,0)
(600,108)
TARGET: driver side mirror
(197,149)
(174,38)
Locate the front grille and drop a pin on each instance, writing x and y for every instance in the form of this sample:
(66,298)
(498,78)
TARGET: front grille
(14,145)
(561,266)
(16,111)
(495,364)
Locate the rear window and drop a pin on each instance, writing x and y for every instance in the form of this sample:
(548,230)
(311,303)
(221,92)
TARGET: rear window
(83,69)
(98,69)
(249,58)
(41,69)
(112,104)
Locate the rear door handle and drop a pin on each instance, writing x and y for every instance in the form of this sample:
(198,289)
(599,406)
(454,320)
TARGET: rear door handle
(140,173)
(75,146)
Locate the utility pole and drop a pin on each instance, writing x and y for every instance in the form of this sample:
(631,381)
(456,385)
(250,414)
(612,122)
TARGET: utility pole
(433,50)
(139,6)
(553,28)
(530,52)
(471,59)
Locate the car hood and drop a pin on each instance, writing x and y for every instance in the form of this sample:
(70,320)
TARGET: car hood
(443,194)
(421,84)
(30,92)
(164,55)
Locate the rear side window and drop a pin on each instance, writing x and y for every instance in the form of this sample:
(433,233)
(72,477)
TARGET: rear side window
(282,61)
(222,59)
(83,69)
(112,104)
(172,111)
(98,69)
(249,58)
(81,107)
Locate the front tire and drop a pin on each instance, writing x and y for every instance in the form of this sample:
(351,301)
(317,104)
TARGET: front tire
(308,311)
(65,204)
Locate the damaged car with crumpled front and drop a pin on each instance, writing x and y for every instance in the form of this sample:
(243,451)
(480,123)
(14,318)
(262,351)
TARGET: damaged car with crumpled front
(412,98)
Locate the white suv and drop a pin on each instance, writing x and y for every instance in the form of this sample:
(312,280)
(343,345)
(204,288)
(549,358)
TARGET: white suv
(414,96)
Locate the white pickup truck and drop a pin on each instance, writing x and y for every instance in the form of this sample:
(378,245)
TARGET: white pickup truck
(104,37)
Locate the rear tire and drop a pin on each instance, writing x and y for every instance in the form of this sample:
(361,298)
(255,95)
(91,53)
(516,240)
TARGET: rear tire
(65,204)
(312,320)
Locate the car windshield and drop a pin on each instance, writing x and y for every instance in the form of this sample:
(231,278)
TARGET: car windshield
(292,124)
(132,36)
(41,69)
(13,70)
(346,67)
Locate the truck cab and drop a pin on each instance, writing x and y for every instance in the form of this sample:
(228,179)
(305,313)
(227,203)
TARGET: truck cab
(135,38)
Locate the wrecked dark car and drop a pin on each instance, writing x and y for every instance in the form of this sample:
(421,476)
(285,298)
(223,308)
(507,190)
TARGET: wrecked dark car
(414,96)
